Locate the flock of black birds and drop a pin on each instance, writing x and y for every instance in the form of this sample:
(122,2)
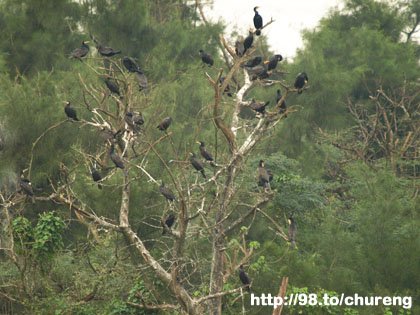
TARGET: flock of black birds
(134,120)
(257,70)
(256,67)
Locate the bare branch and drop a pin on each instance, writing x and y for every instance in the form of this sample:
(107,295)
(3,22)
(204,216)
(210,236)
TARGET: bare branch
(216,295)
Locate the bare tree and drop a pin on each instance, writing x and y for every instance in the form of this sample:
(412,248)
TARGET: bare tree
(199,214)
(386,127)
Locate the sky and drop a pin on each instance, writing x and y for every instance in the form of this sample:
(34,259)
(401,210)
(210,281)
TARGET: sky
(291,17)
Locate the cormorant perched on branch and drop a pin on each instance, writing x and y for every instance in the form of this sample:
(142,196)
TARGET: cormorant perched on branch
(80,52)
(197,164)
(259,107)
(259,72)
(166,192)
(204,153)
(70,111)
(292,231)
(301,81)
(164,124)
(253,62)
(107,51)
(248,41)
(263,176)
(270,178)
(130,64)
(116,158)
(258,22)
(96,176)
(272,63)
(227,88)
(26,186)
(134,120)
(244,278)
(283,106)
(112,86)
(141,80)
(168,222)
(239,47)
(206,58)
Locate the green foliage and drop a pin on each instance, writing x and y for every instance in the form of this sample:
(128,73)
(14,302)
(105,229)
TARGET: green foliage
(45,239)
(37,34)
(308,302)
(23,232)
(347,57)
(47,235)
(118,307)
(259,265)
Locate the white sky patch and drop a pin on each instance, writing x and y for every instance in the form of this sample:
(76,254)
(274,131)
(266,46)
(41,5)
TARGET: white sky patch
(291,17)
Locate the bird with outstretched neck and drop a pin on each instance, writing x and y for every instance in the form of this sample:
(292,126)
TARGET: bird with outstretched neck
(263,176)
(258,22)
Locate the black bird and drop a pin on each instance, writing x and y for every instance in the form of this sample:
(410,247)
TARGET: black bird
(259,72)
(204,153)
(283,106)
(244,278)
(107,51)
(168,222)
(112,86)
(227,88)
(130,64)
(239,47)
(106,134)
(128,118)
(263,176)
(270,178)
(116,158)
(248,41)
(258,22)
(166,192)
(259,107)
(70,111)
(141,80)
(301,81)
(138,119)
(26,186)
(274,60)
(164,124)
(197,164)
(134,120)
(253,62)
(206,58)
(80,52)
(292,231)
(96,176)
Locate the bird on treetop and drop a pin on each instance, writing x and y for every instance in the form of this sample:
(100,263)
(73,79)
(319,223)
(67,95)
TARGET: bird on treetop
(258,22)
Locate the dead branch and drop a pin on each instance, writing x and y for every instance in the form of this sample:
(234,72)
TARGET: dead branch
(282,294)
(162,307)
